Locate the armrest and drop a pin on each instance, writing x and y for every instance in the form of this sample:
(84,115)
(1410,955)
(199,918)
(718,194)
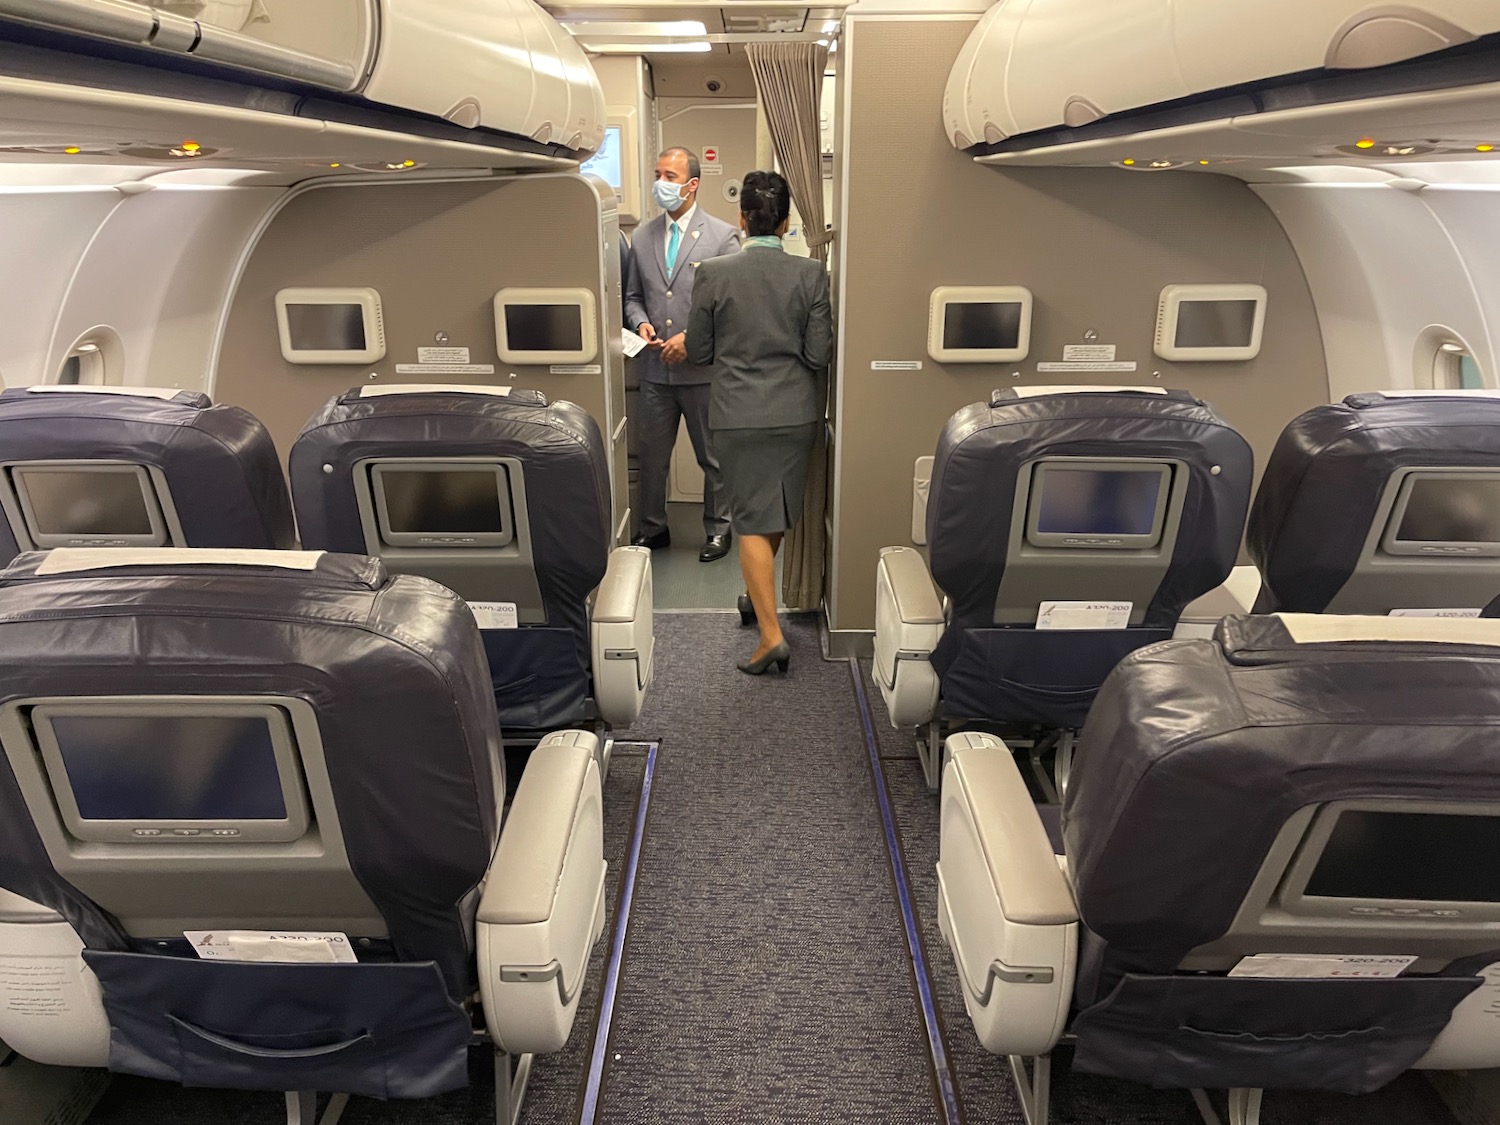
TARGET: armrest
(1235,596)
(621,636)
(543,902)
(1006,908)
(908,625)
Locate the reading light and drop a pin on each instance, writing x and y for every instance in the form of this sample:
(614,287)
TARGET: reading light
(72,150)
(1128,162)
(1162,164)
(1203,162)
(335,164)
(1365,142)
(191,146)
(1484,148)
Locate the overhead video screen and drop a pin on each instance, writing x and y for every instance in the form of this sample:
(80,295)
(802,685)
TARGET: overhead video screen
(609,162)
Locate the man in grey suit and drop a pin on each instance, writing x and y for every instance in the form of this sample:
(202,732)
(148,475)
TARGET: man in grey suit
(665,255)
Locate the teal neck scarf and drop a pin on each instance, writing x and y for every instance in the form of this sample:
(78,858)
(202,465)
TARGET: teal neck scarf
(769,241)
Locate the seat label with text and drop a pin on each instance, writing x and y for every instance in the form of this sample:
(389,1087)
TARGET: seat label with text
(1084,615)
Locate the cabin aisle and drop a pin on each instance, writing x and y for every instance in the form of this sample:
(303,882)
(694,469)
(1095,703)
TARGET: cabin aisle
(983,1081)
(766,976)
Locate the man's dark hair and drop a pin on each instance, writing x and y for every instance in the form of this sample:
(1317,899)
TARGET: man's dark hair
(765,201)
(695,170)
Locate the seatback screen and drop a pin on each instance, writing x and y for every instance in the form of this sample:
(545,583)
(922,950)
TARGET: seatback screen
(177,768)
(442,501)
(1215,324)
(1431,857)
(85,502)
(1451,509)
(326,327)
(544,328)
(1097,502)
(982,325)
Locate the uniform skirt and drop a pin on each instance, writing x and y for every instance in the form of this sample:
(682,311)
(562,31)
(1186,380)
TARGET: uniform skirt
(765,472)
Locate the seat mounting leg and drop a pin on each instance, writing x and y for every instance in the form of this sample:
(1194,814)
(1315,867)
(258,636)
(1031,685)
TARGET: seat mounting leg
(302,1108)
(1034,1090)
(511,1075)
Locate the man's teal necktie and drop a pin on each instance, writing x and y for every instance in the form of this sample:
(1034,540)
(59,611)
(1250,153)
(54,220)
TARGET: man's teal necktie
(672,240)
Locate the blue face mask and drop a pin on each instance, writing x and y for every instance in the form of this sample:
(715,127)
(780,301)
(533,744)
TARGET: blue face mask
(667,194)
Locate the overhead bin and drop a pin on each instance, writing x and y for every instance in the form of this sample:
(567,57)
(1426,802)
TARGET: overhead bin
(502,65)
(1034,65)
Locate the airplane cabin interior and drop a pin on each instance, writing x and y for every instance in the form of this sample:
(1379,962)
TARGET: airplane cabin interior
(380,539)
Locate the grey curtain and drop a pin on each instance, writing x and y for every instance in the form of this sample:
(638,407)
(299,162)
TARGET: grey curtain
(789,83)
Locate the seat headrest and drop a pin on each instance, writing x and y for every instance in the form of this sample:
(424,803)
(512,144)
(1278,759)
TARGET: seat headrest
(985,448)
(372,390)
(73,560)
(1326,480)
(87,562)
(1197,752)
(166,394)
(1002,395)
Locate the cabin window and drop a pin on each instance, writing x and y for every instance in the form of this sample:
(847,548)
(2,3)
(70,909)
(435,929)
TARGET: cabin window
(1455,369)
(83,367)
(1444,362)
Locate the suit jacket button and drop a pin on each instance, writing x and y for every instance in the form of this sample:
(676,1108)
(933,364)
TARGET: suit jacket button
(669,324)
(669,292)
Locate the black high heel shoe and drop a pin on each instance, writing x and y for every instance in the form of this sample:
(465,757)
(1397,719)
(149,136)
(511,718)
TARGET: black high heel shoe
(747,610)
(780,656)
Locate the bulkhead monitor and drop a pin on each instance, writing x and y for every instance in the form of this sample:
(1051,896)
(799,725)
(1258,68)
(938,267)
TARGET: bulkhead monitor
(608,163)
(546,326)
(1445,514)
(438,504)
(979,323)
(1369,860)
(82,505)
(1097,504)
(330,325)
(972,324)
(1215,324)
(1206,323)
(174,772)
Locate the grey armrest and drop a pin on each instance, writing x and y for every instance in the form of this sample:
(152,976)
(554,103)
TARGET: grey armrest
(917,599)
(621,636)
(543,903)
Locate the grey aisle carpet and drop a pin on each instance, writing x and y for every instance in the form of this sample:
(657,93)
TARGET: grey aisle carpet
(766,977)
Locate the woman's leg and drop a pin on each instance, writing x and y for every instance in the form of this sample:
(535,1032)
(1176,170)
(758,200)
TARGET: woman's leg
(758,565)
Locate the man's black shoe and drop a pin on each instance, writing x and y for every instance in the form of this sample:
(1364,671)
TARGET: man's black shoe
(715,549)
(653,542)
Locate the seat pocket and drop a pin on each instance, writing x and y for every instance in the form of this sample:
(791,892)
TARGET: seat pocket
(1342,1036)
(537,678)
(378,1030)
(1047,677)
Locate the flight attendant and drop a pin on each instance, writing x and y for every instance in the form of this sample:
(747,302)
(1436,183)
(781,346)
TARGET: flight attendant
(761,320)
(665,257)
